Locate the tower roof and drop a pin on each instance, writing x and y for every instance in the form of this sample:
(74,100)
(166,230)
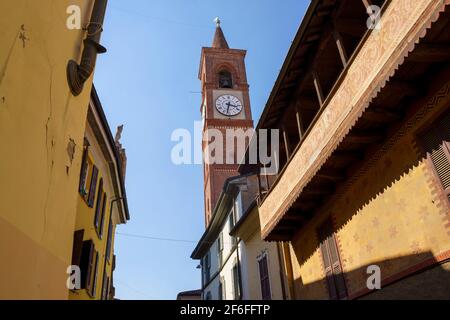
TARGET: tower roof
(219,38)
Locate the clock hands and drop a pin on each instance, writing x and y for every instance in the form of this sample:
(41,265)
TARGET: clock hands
(229,105)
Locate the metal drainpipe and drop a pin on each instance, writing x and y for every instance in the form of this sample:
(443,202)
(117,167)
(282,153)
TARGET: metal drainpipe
(77,75)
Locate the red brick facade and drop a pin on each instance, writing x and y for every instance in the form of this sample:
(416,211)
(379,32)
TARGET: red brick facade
(213,61)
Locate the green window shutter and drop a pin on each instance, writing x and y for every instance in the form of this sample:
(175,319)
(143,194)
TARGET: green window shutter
(83,172)
(95,274)
(93,187)
(109,240)
(102,216)
(98,205)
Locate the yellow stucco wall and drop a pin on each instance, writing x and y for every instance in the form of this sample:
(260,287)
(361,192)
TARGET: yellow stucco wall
(254,248)
(390,214)
(250,234)
(85,219)
(38,120)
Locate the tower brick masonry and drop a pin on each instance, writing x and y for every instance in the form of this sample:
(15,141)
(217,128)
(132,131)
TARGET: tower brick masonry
(222,74)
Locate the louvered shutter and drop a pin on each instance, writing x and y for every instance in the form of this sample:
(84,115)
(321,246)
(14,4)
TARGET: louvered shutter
(332,264)
(83,172)
(328,269)
(102,221)
(337,268)
(437,145)
(98,205)
(77,247)
(109,240)
(264,278)
(220,291)
(87,258)
(94,271)
(93,187)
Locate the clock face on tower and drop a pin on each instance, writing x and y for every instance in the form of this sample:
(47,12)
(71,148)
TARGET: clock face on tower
(228,105)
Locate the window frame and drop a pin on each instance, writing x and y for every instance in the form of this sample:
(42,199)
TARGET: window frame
(235,273)
(264,257)
(221,75)
(326,245)
(220,249)
(109,240)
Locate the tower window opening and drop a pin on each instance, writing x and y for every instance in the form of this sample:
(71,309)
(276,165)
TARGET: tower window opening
(225,80)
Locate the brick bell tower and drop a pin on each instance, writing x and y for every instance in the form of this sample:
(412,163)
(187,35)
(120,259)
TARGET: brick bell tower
(225,105)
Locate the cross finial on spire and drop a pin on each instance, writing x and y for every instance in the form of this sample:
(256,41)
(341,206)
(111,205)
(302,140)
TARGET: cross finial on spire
(217,21)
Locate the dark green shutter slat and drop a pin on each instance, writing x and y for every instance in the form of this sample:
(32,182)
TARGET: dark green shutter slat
(93,187)
(83,173)
(98,205)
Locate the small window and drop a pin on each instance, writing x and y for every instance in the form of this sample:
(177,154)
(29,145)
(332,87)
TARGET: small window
(99,205)
(236,282)
(232,222)
(220,290)
(92,187)
(109,241)
(89,266)
(105,286)
(84,172)
(264,279)
(331,261)
(220,249)
(238,206)
(95,274)
(225,80)
(207,267)
(208,296)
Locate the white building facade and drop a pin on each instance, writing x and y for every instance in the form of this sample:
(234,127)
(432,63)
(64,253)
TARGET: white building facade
(235,263)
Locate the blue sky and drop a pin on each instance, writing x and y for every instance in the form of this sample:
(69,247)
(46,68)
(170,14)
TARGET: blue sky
(148,82)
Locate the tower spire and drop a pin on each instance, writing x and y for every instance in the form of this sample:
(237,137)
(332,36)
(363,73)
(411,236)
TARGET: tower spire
(219,38)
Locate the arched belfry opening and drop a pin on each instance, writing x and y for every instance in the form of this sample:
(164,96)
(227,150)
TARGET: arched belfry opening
(225,80)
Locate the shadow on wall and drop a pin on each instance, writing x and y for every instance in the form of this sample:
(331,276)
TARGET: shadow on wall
(431,282)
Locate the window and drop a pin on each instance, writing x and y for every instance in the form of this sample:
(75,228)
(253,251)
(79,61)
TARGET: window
(264,277)
(221,290)
(238,206)
(225,80)
(77,247)
(207,267)
(436,143)
(88,266)
(105,285)
(84,170)
(208,296)
(109,241)
(92,186)
(98,206)
(220,249)
(102,215)
(331,262)
(231,222)
(236,282)
(95,273)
